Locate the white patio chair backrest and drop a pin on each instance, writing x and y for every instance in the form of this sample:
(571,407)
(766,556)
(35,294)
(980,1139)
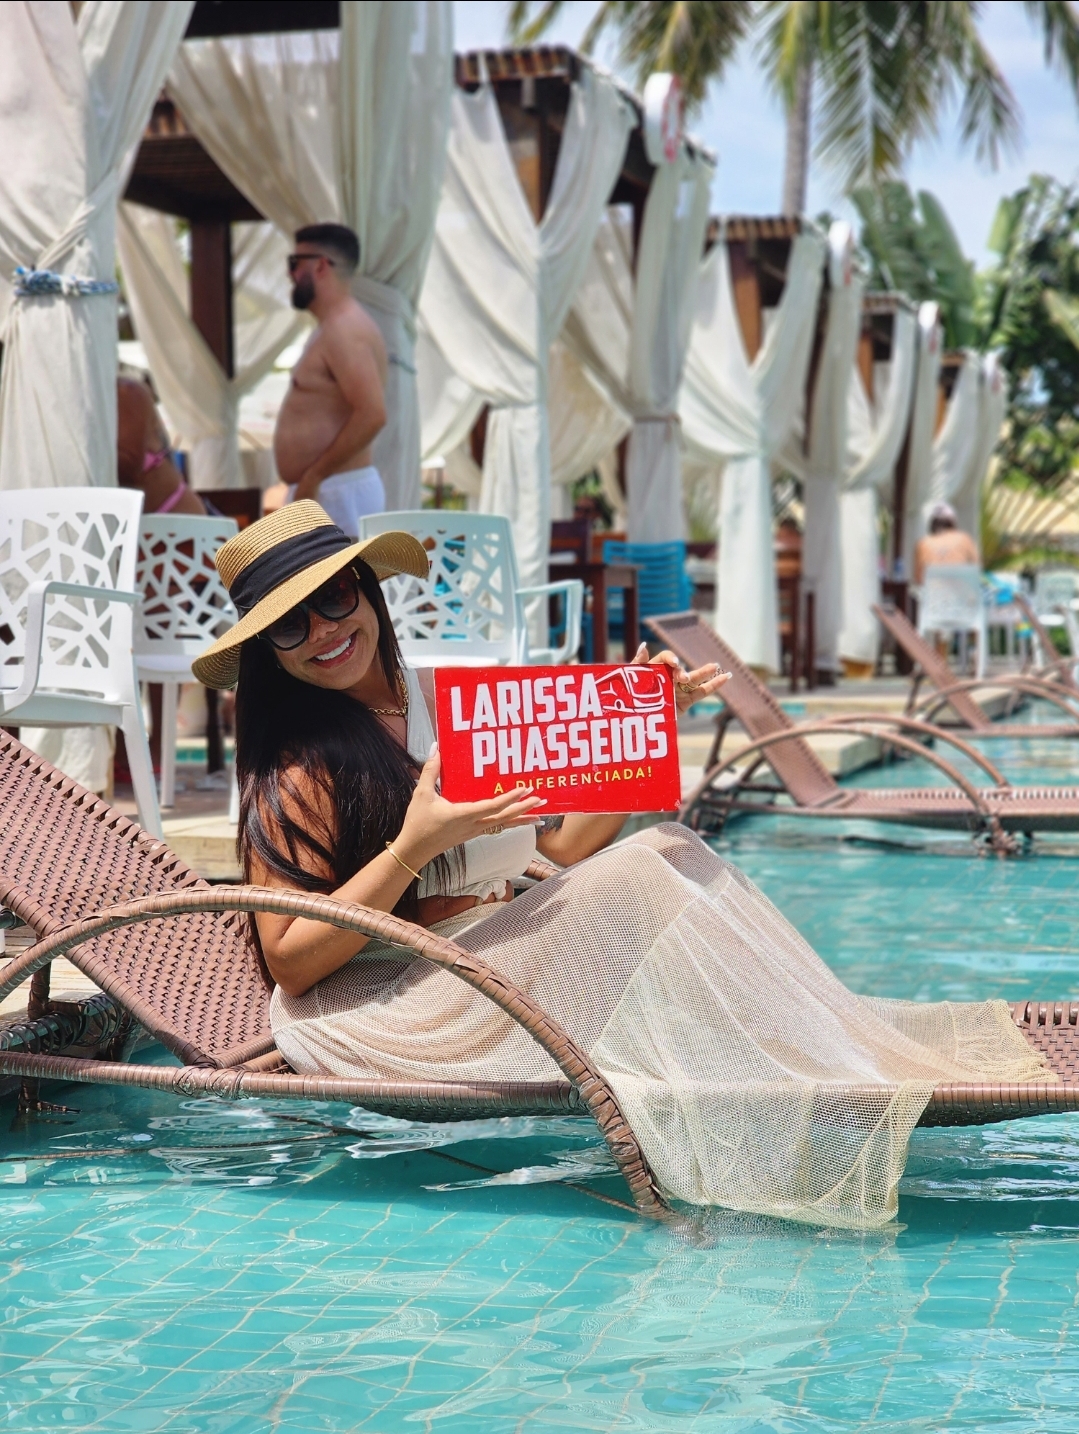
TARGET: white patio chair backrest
(72,535)
(466,610)
(952,598)
(185,605)
(1055,588)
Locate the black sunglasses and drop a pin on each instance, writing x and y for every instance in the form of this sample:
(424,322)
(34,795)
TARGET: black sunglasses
(295,260)
(338,598)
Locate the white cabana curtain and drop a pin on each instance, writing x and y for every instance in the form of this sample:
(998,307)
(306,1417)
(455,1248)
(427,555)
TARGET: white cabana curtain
(631,332)
(498,285)
(819,457)
(75,100)
(876,430)
(923,420)
(964,446)
(585,423)
(200,400)
(449,406)
(742,413)
(665,293)
(348,126)
(993,404)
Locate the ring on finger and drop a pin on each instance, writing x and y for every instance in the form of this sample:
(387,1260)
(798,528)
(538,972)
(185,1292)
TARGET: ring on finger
(494,831)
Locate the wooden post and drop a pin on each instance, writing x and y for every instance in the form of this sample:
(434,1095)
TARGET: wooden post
(747,295)
(211,313)
(899,503)
(211,287)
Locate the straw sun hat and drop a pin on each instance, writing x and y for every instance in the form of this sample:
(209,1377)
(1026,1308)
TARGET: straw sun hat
(282,559)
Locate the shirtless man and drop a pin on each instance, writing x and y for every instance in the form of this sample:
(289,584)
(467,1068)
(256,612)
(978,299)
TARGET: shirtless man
(944,543)
(335,405)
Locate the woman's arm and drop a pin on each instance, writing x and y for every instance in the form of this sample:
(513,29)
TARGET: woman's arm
(300,952)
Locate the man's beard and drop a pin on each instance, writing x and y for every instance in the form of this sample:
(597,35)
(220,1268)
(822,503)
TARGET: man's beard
(303,291)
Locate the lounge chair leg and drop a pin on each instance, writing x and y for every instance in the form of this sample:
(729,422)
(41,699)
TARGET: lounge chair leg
(30,1103)
(998,841)
(142,774)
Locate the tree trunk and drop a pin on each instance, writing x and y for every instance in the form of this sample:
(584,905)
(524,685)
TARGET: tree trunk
(796,169)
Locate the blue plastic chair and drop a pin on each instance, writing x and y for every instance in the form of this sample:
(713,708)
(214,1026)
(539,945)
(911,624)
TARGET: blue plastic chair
(663,585)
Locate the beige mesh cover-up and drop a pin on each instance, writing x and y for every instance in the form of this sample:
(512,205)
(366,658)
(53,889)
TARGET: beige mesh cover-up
(751,1076)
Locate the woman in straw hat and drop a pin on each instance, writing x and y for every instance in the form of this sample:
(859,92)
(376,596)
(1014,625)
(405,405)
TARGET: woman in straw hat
(335,748)
(729,1044)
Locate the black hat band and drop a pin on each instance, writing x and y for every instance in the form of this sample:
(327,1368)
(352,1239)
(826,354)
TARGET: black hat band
(284,561)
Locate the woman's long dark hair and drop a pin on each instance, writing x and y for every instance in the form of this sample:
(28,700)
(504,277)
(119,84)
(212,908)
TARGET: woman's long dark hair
(365,777)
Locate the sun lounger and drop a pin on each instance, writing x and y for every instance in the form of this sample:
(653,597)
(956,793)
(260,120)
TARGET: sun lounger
(732,785)
(168,950)
(960,696)
(169,954)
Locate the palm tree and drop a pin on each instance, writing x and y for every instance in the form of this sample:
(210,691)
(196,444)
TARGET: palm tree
(883,70)
(912,247)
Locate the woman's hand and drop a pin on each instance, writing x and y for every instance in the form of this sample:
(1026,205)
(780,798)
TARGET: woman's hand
(433,825)
(689,687)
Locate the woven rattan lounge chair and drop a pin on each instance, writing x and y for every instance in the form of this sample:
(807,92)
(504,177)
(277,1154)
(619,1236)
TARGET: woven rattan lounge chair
(960,696)
(733,785)
(169,954)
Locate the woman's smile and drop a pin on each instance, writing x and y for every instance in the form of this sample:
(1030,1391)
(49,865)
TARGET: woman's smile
(340,652)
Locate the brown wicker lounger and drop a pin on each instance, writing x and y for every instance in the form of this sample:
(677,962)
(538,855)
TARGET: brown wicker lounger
(950,692)
(168,952)
(993,812)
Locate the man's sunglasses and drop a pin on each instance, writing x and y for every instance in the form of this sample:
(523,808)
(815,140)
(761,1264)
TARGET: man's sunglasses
(338,598)
(295,260)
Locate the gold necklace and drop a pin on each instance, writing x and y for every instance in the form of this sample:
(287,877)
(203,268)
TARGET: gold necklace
(402,711)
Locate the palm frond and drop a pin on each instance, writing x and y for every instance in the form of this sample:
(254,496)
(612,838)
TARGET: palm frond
(1060,27)
(989,116)
(1064,312)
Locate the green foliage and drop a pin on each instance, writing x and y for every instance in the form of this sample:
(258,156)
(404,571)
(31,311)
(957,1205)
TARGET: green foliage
(913,248)
(1025,304)
(883,70)
(693,39)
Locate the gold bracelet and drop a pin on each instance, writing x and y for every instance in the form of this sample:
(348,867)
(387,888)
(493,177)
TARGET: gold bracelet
(400,863)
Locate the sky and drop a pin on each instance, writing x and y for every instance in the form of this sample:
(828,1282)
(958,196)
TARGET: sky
(743,123)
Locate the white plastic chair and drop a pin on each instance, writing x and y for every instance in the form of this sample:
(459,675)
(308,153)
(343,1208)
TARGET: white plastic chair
(67,600)
(1055,589)
(470,611)
(184,607)
(953,601)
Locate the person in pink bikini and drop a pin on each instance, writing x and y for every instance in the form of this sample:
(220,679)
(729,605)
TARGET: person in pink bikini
(144,458)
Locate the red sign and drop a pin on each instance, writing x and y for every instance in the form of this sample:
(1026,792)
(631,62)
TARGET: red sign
(588,739)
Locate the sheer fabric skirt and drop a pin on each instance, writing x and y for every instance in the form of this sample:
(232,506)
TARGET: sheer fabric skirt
(751,1076)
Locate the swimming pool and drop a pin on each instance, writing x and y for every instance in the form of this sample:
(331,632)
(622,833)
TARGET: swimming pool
(198,1266)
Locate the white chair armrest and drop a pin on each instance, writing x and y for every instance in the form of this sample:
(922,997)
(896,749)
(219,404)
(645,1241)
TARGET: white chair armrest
(36,594)
(571,590)
(548,589)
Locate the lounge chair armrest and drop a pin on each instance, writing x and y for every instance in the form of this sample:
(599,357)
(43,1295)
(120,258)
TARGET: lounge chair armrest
(760,745)
(574,1062)
(36,594)
(922,727)
(1017,682)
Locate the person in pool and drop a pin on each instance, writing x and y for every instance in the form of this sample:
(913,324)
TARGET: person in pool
(749,1074)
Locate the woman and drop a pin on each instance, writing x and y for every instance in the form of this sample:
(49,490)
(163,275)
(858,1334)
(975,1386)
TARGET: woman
(144,459)
(729,1044)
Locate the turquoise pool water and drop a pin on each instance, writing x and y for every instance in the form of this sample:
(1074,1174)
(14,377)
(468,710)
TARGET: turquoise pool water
(196,1266)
